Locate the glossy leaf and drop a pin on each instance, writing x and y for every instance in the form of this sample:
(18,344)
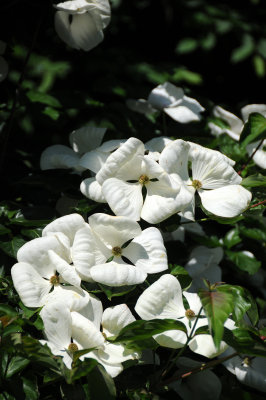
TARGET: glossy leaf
(254,129)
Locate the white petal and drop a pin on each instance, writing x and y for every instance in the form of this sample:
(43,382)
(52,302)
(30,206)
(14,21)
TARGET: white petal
(234,122)
(93,160)
(75,299)
(86,138)
(203,345)
(92,189)
(253,108)
(62,28)
(85,333)
(66,271)
(73,6)
(164,95)
(57,324)
(115,354)
(123,198)
(174,158)
(163,299)
(114,231)
(212,171)
(173,339)
(35,253)
(113,274)
(157,144)
(254,374)
(83,252)
(196,149)
(85,31)
(59,156)
(31,287)
(128,150)
(228,201)
(194,303)
(160,202)
(142,106)
(147,251)
(187,111)
(116,318)
(111,145)
(68,224)
(259,157)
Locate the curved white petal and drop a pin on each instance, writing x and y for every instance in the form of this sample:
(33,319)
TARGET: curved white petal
(203,345)
(86,138)
(35,253)
(114,231)
(123,198)
(74,298)
(113,274)
(73,6)
(147,251)
(31,287)
(59,156)
(84,332)
(68,224)
(128,150)
(93,160)
(57,324)
(187,111)
(116,318)
(259,157)
(173,339)
(174,158)
(196,149)
(164,95)
(228,201)
(163,299)
(253,108)
(92,189)
(62,28)
(83,252)
(116,353)
(66,271)
(157,143)
(235,123)
(142,106)
(252,375)
(111,145)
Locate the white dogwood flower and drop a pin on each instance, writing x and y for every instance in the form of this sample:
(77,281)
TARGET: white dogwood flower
(259,157)
(80,23)
(81,140)
(163,299)
(170,99)
(213,177)
(120,262)
(69,331)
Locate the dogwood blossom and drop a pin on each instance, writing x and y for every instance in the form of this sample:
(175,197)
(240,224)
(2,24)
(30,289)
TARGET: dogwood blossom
(122,178)
(163,299)
(84,30)
(172,101)
(213,177)
(68,331)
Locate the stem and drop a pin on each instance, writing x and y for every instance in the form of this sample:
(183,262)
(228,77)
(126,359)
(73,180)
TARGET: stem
(258,204)
(199,369)
(198,220)
(250,158)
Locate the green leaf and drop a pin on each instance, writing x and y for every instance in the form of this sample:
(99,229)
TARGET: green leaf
(232,238)
(244,260)
(140,330)
(80,369)
(254,129)
(244,50)
(11,248)
(16,364)
(51,112)
(254,180)
(4,230)
(186,45)
(259,66)
(217,306)
(44,98)
(116,291)
(101,385)
(245,341)
(242,301)
(253,233)
(32,233)
(182,275)
(30,387)
(5,309)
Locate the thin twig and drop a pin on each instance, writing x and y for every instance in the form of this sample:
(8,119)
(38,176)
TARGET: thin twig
(258,204)
(250,158)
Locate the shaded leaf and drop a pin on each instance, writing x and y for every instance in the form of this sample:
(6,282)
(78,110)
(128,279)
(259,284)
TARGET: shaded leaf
(244,261)
(254,129)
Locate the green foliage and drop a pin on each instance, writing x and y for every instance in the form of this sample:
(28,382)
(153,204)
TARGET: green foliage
(254,129)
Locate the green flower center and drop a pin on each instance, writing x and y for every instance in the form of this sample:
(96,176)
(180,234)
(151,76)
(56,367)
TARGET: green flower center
(144,179)
(73,347)
(190,314)
(54,280)
(117,251)
(247,361)
(196,184)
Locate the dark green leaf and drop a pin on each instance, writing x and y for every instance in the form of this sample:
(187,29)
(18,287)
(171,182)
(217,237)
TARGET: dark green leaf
(16,364)
(253,233)
(51,112)
(244,260)
(101,385)
(182,275)
(241,300)
(11,247)
(116,291)
(4,230)
(30,387)
(254,180)
(44,98)
(254,129)
(232,238)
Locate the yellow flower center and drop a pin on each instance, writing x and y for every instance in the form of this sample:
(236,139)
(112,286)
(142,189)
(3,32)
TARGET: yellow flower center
(196,184)
(117,251)
(54,280)
(144,179)
(73,347)
(189,314)
(247,361)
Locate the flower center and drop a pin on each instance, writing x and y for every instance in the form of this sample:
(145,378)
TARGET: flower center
(247,361)
(190,314)
(196,184)
(117,251)
(72,347)
(144,179)
(54,280)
